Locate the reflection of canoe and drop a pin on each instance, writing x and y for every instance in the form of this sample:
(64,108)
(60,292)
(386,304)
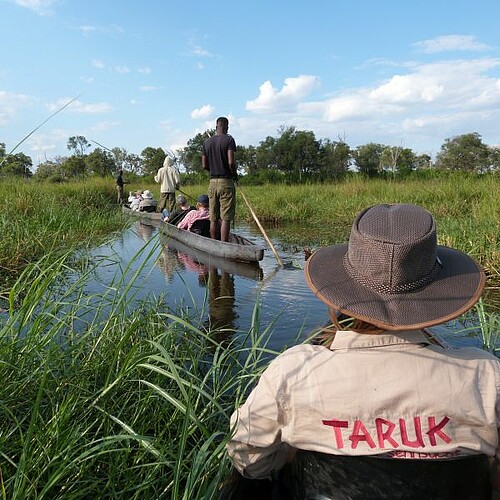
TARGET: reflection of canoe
(150,217)
(238,248)
(250,270)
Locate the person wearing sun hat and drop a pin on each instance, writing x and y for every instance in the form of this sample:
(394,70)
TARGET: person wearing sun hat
(379,408)
(148,203)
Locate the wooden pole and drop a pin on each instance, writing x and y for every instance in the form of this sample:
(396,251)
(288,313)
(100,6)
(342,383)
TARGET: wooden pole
(278,258)
(185,194)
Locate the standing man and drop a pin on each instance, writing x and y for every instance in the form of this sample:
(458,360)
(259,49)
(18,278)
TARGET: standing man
(119,187)
(168,178)
(218,159)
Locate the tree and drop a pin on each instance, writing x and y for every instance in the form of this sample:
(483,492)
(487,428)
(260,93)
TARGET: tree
(296,152)
(398,160)
(74,166)
(247,159)
(17,164)
(152,159)
(190,156)
(51,170)
(464,152)
(334,159)
(367,158)
(100,162)
(79,144)
(423,161)
(128,162)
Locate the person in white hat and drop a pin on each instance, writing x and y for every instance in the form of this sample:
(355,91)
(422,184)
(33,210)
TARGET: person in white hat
(379,409)
(148,203)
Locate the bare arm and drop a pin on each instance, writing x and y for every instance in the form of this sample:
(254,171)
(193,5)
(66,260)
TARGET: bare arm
(204,162)
(230,160)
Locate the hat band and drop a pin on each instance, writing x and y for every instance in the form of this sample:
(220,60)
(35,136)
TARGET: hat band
(386,289)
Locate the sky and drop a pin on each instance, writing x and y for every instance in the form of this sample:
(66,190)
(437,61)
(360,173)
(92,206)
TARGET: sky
(133,74)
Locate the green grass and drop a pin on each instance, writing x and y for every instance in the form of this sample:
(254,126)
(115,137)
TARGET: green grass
(102,397)
(39,219)
(134,403)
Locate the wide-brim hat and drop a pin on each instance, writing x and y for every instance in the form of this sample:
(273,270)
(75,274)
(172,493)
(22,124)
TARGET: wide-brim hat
(393,274)
(147,194)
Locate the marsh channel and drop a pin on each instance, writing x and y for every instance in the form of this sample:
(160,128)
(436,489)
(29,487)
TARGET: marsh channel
(224,294)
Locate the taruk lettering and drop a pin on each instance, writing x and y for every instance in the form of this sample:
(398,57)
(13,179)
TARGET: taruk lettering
(390,434)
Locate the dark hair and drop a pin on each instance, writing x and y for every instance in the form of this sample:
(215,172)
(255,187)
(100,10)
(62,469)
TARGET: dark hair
(223,122)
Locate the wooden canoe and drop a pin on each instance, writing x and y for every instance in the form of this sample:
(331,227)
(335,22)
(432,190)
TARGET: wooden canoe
(238,248)
(151,217)
(250,270)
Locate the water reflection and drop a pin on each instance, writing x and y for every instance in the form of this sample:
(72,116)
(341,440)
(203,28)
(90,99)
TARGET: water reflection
(219,293)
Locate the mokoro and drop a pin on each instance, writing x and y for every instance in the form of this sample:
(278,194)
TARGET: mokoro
(238,248)
(250,270)
(150,217)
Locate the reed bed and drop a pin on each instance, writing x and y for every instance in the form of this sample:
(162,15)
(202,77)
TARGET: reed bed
(102,398)
(107,397)
(466,209)
(40,219)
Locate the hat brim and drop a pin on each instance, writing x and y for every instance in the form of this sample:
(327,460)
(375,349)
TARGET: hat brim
(455,289)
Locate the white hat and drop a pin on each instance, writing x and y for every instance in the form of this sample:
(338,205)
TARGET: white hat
(147,194)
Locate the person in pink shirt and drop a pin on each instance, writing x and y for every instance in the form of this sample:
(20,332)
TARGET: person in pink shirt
(201,213)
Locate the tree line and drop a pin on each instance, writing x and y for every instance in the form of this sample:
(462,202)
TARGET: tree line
(292,155)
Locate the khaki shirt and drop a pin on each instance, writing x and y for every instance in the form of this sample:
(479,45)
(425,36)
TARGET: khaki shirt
(395,395)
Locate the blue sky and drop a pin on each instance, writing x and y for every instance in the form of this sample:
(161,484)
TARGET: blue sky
(157,72)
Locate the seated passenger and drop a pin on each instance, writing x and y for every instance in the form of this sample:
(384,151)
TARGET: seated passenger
(148,203)
(134,204)
(379,408)
(201,213)
(183,207)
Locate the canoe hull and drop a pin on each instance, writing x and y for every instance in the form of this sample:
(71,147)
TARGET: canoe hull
(238,248)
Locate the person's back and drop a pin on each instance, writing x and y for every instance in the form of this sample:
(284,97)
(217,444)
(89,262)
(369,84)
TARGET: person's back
(201,213)
(179,213)
(379,393)
(148,203)
(218,159)
(168,178)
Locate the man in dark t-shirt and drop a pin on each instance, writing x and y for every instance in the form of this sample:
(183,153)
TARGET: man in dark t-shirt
(218,159)
(119,187)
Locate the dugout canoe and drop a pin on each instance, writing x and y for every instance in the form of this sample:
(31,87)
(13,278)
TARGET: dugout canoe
(238,248)
(250,270)
(152,218)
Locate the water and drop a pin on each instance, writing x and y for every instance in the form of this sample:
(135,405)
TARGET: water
(223,293)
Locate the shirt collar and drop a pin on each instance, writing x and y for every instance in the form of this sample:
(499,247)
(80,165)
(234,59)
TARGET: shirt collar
(353,340)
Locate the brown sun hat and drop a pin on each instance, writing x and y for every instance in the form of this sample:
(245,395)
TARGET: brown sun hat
(393,274)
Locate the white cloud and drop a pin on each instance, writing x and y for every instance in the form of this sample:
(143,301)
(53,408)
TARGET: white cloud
(97,63)
(41,7)
(110,29)
(103,126)
(150,88)
(87,29)
(293,90)
(145,70)
(445,86)
(11,104)
(80,107)
(122,69)
(202,113)
(448,43)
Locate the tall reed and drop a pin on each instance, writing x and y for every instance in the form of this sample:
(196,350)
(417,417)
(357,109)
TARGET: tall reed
(104,398)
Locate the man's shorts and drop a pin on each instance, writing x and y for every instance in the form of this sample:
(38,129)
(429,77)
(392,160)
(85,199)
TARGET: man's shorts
(222,199)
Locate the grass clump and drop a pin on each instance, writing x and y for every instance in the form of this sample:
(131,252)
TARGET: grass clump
(102,398)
